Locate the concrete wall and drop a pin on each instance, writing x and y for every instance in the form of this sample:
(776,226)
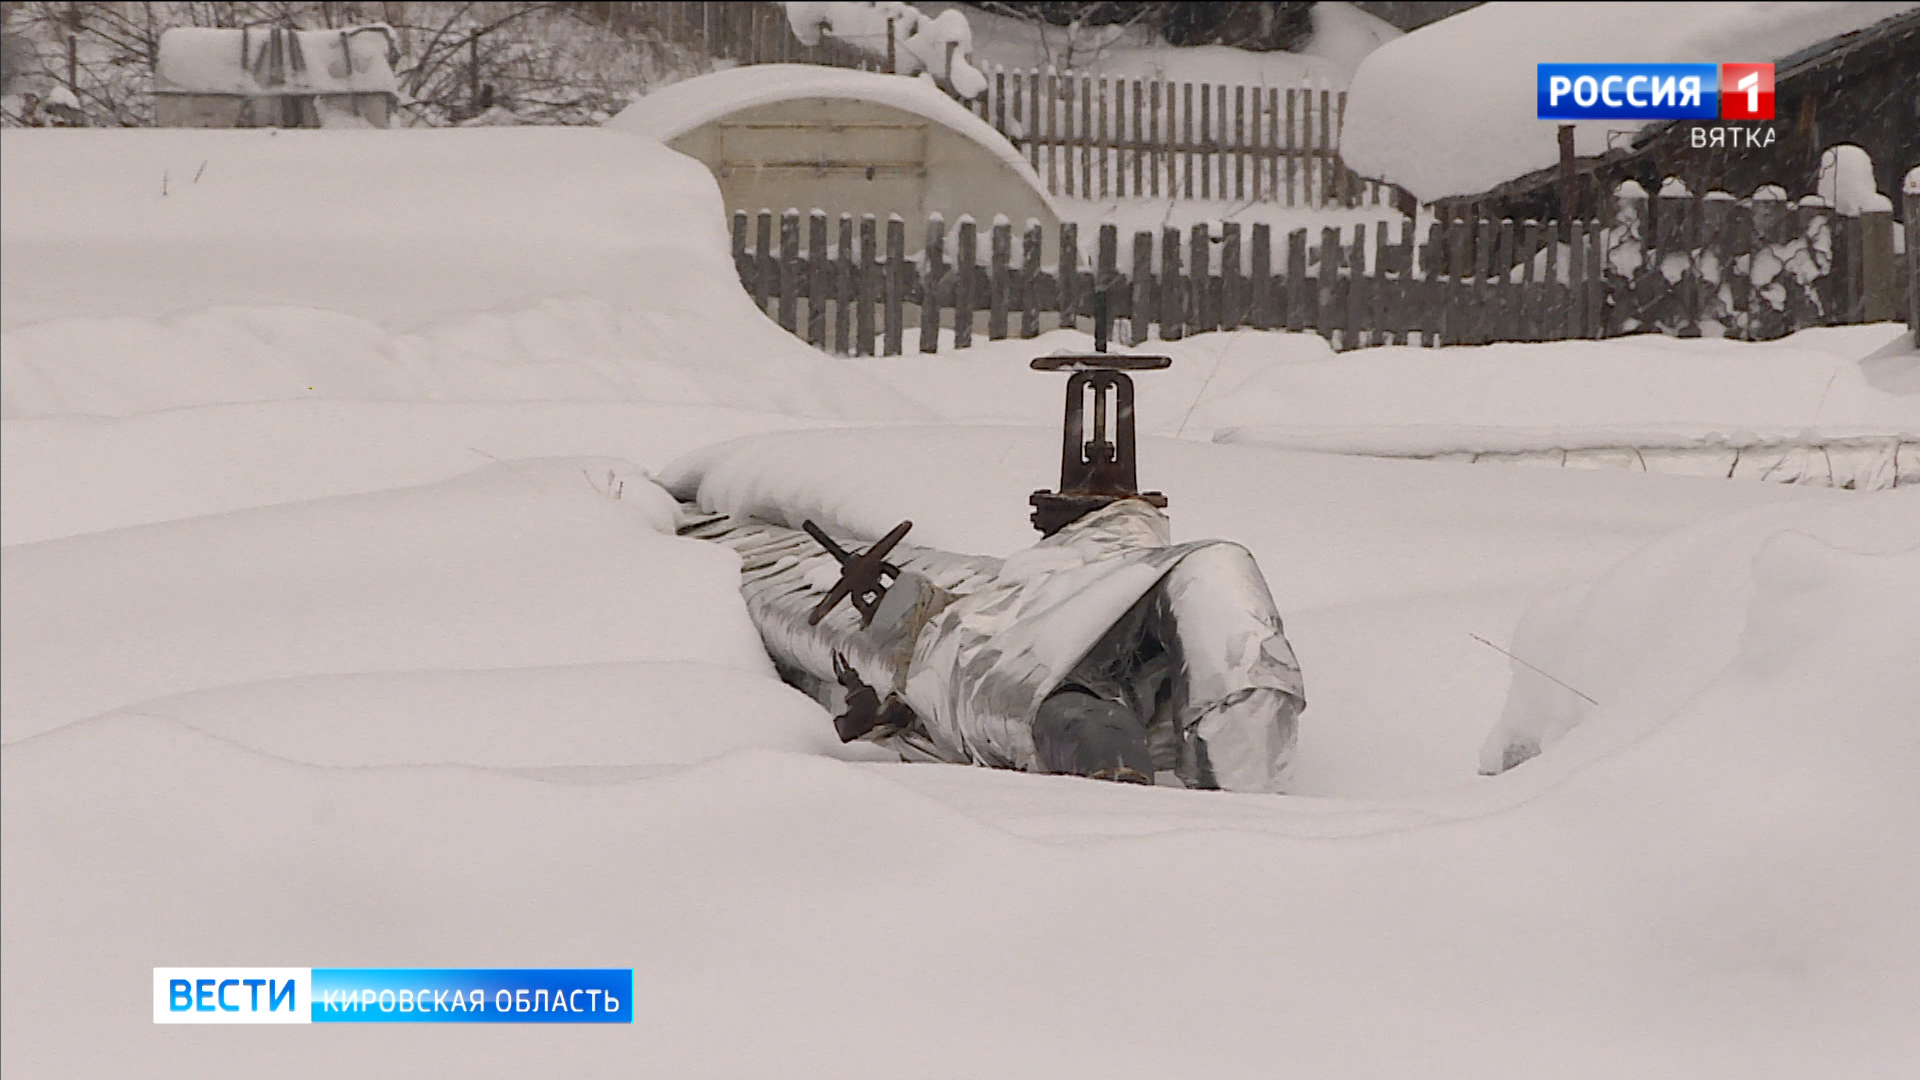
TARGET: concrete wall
(863,157)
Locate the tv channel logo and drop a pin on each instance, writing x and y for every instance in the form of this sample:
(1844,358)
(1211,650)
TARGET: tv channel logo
(1654,91)
(242,995)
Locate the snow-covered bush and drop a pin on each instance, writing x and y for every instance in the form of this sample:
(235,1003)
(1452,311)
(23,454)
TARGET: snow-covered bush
(938,46)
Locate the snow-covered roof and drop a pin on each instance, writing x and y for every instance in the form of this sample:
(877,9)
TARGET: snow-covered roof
(673,111)
(230,60)
(1449,109)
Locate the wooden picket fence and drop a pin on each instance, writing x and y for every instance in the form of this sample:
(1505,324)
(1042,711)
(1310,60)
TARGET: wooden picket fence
(1095,137)
(1753,269)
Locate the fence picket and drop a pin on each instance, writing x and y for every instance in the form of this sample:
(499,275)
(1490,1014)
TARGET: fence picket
(1324,299)
(1239,142)
(1356,285)
(894,319)
(1173,321)
(1107,269)
(1204,314)
(1142,309)
(1085,137)
(1296,314)
(1153,138)
(1528,309)
(843,277)
(764,283)
(966,266)
(1381,291)
(1233,305)
(1000,285)
(1261,281)
(816,286)
(866,287)
(1187,143)
(1068,286)
(1137,171)
(789,269)
(1102,141)
(1206,141)
(1030,271)
(1596,296)
(932,266)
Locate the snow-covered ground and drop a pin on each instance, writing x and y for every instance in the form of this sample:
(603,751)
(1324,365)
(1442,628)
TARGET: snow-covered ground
(344,624)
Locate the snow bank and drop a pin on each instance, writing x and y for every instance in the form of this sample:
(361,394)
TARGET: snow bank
(66,475)
(634,716)
(522,564)
(157,269)
(1449,109)
(1792,604)
(1292,390)
(1731,897)
(578,349)
(1811,384)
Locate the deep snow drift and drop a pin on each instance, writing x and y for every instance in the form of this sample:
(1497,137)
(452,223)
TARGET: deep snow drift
(375,647)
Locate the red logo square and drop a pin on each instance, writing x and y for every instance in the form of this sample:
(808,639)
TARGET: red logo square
(1746,91)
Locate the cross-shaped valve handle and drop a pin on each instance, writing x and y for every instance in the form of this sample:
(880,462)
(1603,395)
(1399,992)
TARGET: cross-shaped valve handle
(859,573)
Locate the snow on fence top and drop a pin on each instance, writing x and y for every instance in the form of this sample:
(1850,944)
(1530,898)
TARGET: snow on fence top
(266,61)
(672,111)
(1449,109)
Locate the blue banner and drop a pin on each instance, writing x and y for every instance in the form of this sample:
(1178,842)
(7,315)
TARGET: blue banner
(1629,91)
(472,995)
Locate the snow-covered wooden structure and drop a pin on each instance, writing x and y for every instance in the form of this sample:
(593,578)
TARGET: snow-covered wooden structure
(263,76)
(1448,111)
(794,135)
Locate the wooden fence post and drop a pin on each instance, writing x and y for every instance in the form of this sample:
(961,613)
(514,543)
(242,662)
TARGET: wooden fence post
(1204,313)
(1526,316)
(1172,317)
(1261,306)
(1142,309)
(866,290)
(765,281)
(1329,280)
(1067,288)
(1296,313)
(1427,312)
(1381,290)
(932,267)
(894,320)
(844,276)
(1030,278)
(1356,290)
(1106,271)
(1001,282)
(1233,304)
(817,288)
(966,266)
(742,262)
(1597,313)
(1910,195)
(789,269)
